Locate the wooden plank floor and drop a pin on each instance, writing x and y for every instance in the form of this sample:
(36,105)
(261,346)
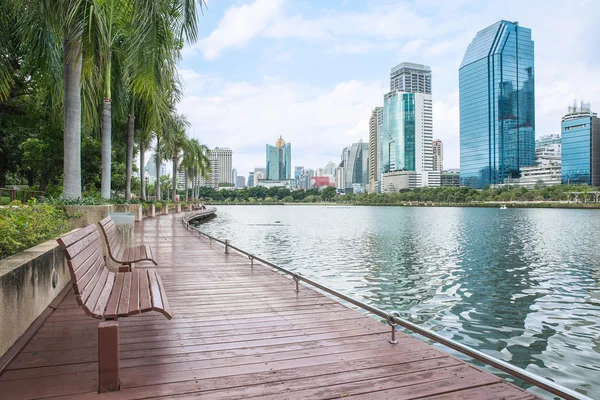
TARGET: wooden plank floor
(238,333)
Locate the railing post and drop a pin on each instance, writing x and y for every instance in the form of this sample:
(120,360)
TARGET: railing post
(226,246)
(297,279)
(251,261)
(393,324)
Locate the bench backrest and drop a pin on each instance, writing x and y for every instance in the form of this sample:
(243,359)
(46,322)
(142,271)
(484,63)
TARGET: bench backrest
(112,237)
(89,274)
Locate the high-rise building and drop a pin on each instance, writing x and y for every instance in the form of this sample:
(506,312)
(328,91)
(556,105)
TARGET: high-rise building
(580,146)
(212,180)
(279,161)
(438,155)
(357,167)
(306,179)
(297,174)
(410,78)
(250,183)
(497,105)
(234,176)
(375,130)
(223,158)
(163,169)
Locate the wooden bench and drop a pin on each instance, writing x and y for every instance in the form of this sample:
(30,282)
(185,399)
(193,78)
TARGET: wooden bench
(108,295)
(120,254)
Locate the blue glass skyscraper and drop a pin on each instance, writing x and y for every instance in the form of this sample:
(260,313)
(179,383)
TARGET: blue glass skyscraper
(279,161)
(580,147)
(497,105)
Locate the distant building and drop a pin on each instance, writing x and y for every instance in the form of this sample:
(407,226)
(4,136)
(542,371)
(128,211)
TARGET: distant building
(497,105)
(163,169)
(223,157)
(279,161)
(259,174)
(398,180)
(581,146)
(450,178)
(234,176)
(340,179)
(438,155)
(181,176)
(411,78)
(297,174)
(306,179)
(548,150)
(375,130)
(250,183)
(407,135)
(540,175)
(269,183)
(240,182)
(357,170)
(212,180)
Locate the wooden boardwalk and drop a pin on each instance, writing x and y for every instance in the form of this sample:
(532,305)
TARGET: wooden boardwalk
(238,333)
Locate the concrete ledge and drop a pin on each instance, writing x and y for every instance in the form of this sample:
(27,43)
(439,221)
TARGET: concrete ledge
(29,282)
(88,214)
(136,209)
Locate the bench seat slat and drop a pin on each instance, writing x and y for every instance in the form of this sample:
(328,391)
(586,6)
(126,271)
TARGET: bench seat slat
(124,303)
(145,301)
(100,307)
(122,254)
(69,239)
(166,310)
(115,296)
(81,245)
(89,301)
(86,283)
(80,258)
(134,297)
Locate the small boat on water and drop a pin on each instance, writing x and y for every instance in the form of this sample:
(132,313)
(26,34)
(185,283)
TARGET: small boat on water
(503,207)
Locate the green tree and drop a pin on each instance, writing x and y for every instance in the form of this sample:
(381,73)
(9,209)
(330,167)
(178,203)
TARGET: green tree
(328,193)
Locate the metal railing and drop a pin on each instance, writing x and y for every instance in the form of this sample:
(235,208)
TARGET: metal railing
(393,319)
(20,194)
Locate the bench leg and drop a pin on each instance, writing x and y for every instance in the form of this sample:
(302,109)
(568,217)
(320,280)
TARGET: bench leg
(125,268)
(108,356)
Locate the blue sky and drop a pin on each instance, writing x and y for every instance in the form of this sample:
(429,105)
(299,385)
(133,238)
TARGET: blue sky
(311,71)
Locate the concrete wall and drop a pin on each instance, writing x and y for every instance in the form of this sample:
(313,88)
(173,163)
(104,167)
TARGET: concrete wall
(29,281)
(88,214)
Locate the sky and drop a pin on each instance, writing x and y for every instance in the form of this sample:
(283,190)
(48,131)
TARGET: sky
(312,71)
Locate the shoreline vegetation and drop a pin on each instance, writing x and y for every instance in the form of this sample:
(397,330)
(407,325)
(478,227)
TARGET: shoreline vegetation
(558,196)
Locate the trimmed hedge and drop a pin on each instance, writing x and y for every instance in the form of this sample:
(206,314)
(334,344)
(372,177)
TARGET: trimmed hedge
(26,225)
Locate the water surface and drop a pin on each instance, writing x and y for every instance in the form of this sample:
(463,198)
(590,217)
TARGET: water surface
(522,285)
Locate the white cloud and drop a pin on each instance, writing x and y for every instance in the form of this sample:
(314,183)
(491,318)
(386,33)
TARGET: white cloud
(317,122)
(238,26)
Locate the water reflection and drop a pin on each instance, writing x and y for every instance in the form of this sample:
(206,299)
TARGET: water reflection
(522,285)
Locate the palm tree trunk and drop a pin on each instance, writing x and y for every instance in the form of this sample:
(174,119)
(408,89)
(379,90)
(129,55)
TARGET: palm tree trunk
(72,116)
(186,186)
(158,194)
(174,175)
(142,173)
(106,151)
(130,129)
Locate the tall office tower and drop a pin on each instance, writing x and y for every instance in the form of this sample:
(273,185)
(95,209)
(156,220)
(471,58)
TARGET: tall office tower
(375,128)
(580,146)
(357,169)
(279,161)
(330,168)
(224,160)
(250,183)
(344,164)
(297,174)
(410,78)
(234,176)
(212,180)
(497,105)
(438,155)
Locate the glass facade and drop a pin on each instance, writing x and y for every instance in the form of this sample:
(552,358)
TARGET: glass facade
(397,144)
(580,152)
(279,161)
(497,105)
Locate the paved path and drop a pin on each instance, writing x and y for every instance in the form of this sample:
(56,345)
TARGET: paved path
(238,333)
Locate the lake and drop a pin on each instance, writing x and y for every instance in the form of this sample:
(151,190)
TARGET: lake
(522,285)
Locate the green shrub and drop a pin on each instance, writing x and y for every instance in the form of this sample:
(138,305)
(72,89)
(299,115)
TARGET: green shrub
(26,225)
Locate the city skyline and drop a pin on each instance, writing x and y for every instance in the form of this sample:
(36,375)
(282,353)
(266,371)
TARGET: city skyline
(314,74)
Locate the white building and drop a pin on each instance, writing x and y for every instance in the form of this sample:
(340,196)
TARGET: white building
(212,180)
(548,149)
(544,175)
(395,181)
(223,158)
(259,174)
